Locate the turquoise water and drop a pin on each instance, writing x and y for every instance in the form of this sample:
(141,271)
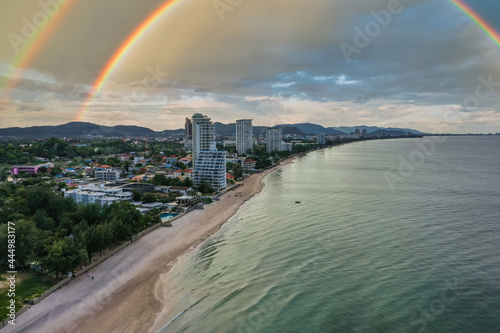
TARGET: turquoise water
(390,236)
(167,216)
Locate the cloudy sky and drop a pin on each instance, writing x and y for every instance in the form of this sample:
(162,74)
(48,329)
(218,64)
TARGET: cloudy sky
(426,65)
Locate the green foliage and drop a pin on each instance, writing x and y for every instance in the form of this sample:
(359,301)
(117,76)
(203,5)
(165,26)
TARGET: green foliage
(3,174)
(32,285)
(148,198)
(180,165)
(63,256)
(205,188)
(53,231)
(162,180)
(55,171)
(235,169)
(136,195)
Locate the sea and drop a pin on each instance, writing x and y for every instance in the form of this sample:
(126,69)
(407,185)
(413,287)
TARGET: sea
(397,235)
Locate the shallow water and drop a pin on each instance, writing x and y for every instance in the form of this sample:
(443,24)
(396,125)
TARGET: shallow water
(390,236)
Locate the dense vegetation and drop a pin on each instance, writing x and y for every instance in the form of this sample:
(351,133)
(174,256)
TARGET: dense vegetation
(56,235)
(24,152)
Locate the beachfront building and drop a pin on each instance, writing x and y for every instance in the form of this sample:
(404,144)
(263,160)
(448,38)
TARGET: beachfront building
(244,134)
(203,135)
(107,175)
(211,167)
(15,170)
(249,164)
(320,139)
(286,146)
(188,139)
(97,194)
(274,137)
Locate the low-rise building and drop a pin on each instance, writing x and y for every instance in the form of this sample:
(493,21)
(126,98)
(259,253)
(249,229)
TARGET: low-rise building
(249,164)
(107,175)
(179,189)
(93,194)
(286,146)
(15,170)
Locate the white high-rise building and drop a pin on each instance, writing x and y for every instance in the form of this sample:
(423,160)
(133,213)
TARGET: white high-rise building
(320,139)
(188,139)
(211,167)
(274,137)
(244,133)
(203,134)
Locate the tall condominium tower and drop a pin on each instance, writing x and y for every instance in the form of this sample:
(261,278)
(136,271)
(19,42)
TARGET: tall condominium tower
(203,134)
(188,140)
(274,136)
(211,168)
(244,134)
(320,139)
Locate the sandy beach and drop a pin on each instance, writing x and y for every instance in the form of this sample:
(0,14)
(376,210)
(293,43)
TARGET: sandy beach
(123,296)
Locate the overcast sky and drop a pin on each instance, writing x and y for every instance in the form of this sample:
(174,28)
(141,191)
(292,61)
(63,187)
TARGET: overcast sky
(276,61)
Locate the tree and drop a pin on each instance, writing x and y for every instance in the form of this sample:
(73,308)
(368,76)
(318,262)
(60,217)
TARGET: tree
(120,230)
(42,170)
(28,238)
(3,174)
(205,188)
(136,195)
(92,240)
(43,221)
(188,182)
(180,165)
(160,180)
(106,231)
(235,169)
(63,256)
(148,198)
(55,171)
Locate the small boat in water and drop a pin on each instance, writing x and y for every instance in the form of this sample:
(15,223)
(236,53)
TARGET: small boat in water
(297,201)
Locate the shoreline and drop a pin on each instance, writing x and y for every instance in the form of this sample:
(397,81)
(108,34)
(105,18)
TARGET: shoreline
(124,295)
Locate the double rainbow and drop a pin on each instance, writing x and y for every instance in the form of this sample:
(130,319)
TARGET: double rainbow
(31,49)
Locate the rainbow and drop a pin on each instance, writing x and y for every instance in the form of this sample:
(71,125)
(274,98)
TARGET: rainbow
(120,53)
(481,22)
(158,13)
(25,56)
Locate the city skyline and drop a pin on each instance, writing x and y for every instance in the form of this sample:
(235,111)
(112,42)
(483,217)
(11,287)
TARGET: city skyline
(324,69)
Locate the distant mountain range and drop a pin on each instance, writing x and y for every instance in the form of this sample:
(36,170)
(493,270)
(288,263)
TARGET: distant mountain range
(83,129)
(316,129)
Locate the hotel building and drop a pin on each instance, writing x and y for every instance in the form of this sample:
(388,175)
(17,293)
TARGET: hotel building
(203,135)
(188,139)
(274,137)
(244,140)
(211,167)
(320,139)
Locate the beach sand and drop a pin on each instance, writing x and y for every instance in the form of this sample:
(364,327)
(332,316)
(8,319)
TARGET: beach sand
(123,297)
